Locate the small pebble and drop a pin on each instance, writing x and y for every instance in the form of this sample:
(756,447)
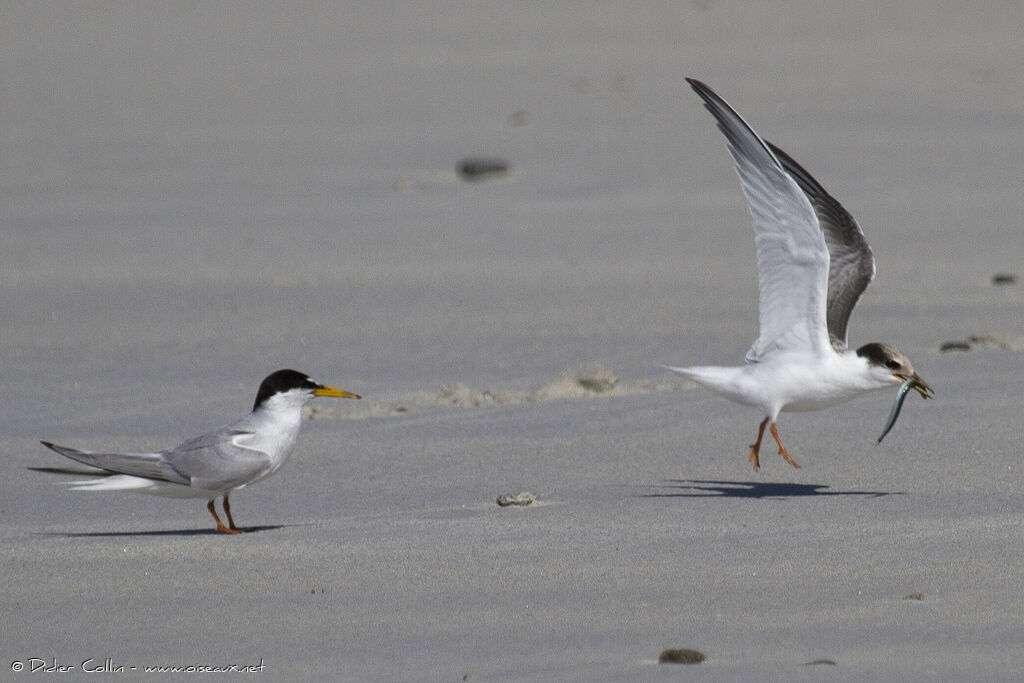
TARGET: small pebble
(520,118)
(1004,279)
(954,346)
(596,379)
(522,498)
(480,168)
(682,656)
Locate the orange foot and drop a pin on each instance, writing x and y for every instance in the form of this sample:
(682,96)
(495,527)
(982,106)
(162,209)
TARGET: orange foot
(220,525)
(756,446)
(782,449)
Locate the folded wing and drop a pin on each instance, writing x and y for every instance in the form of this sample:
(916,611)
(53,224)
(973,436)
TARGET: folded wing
(145,465)
(213,461)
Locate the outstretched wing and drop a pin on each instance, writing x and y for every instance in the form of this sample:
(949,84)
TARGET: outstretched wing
(792,256)
(851,263)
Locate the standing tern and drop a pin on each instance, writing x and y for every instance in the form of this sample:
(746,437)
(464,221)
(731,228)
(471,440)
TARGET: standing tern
(220,462)
(813,264)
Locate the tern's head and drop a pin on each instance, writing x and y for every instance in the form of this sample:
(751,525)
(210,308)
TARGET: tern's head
(292,385)
(889,365)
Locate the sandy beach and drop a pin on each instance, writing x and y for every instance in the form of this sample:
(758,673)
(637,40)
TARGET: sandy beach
(196,195)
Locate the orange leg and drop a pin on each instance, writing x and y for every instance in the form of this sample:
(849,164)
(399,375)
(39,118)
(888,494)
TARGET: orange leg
(756,446)
(227,511)
(220,524)
(782,449)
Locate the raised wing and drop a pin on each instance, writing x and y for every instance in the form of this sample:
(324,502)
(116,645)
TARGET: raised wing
(851,263)
(792,257)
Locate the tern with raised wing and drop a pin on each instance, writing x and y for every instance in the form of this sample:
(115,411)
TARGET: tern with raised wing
(813,264)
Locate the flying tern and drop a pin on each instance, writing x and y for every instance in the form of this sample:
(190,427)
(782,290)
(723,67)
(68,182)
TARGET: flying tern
(813,264)
(220,462)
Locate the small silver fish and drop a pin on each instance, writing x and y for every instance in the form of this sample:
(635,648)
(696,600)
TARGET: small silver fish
(901,396)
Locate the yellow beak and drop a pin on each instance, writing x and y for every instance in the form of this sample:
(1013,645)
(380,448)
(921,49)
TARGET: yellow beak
(325,390)
(919,384)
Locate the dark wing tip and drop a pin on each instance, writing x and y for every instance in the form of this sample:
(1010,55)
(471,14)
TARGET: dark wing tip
(706,93)
(696,84)
(743,140)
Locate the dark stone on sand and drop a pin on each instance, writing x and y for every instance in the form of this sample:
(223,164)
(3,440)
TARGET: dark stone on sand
(518,119)
(681,656)
(482,168)
(983,341)
(522,498)
(1004,279)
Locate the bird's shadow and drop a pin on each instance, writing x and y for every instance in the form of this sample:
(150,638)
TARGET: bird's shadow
(71,471)
(161,532)
(705,488)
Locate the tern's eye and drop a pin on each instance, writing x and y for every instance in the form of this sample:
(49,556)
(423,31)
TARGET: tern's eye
(893,364)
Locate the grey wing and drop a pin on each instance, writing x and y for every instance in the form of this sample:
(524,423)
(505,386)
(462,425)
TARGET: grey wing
(213,461)
(146,465)
(792,257)
(851,263)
